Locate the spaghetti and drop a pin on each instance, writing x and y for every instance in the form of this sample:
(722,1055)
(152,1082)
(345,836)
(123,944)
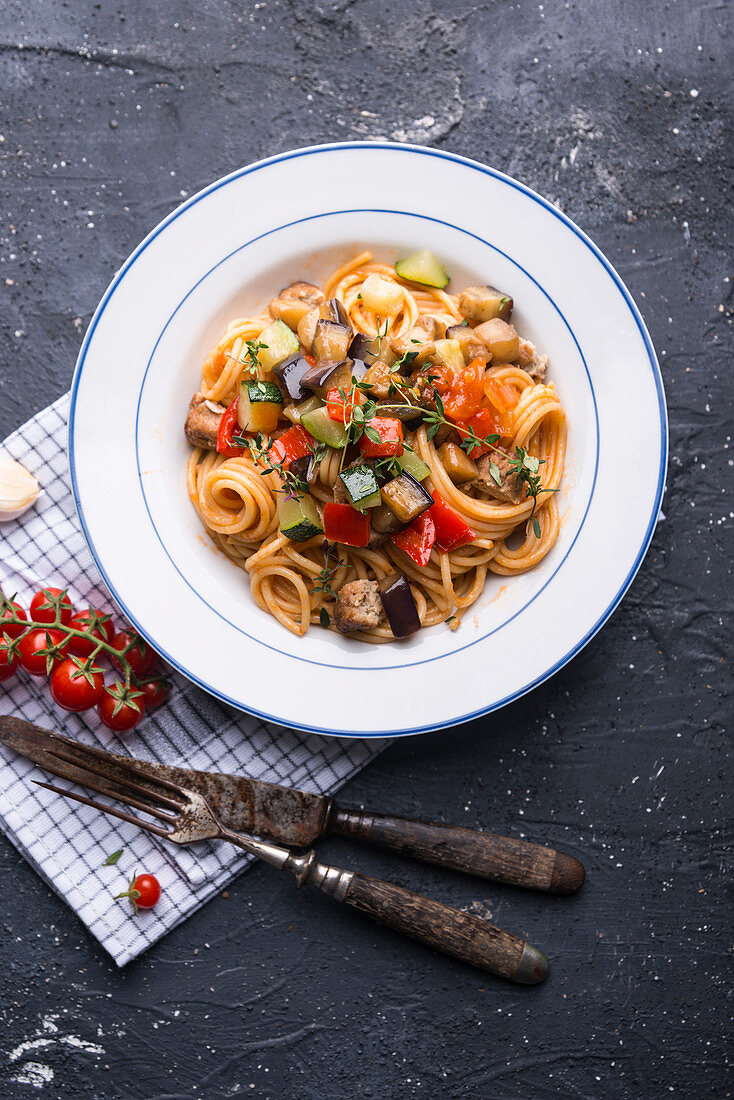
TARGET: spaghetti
(474,414)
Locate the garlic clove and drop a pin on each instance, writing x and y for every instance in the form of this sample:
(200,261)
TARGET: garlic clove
(18,489)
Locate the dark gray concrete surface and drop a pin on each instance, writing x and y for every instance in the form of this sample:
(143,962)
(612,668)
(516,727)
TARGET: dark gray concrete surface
(111,113)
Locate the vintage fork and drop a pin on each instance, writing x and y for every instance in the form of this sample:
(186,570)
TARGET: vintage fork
(185,816)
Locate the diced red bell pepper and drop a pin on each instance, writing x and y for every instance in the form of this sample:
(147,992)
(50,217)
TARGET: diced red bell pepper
(338,408)
(451,530)
(390,431)
(229,426)
(482,424)
(345,524)
(417,540)
(293,444)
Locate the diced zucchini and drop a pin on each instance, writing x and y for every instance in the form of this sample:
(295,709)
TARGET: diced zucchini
(405,497)
(280,343)
(414,464)
(322,427)
(307,406)
(423,267)
(361,486)
(457,463)
(450,353)
(299,517)
(259,406)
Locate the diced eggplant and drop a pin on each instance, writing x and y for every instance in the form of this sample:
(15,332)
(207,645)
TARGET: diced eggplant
(322,376)
(362,347)
(331,340)
(501,339)
(304,468)
(294,302)
(334,310)
(324,429)
(381,296)
(307,328)
(471,345)
(423,267)
(457,463)
(299,517)
(259,407)
(277,343)
(361,486)
(405,497)
(384,521)
(291,373)
(482,303)
(415,345)
(400,606)
(401,410)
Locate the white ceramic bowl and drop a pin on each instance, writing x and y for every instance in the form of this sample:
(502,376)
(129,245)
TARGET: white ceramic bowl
(224,253)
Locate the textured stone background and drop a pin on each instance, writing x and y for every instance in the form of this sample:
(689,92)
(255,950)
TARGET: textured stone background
(618,111)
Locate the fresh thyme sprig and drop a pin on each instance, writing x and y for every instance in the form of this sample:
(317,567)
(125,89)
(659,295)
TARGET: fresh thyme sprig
(251,358)
(323,580)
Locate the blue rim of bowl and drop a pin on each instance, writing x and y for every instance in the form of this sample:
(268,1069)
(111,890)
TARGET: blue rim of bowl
(596,252)
(298,656)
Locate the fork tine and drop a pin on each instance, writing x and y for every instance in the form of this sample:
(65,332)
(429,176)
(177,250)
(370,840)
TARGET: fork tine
(111,789)
(147,825)
(89,764)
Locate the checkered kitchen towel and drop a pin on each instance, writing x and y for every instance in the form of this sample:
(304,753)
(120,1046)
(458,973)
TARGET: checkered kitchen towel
(68,843)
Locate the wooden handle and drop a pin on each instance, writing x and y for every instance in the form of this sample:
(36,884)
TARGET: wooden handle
(517,862)
(466,937)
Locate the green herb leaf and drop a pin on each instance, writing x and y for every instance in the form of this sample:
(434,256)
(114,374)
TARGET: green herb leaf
(536,527)
(495,472)
(112,859)
(372,434)
(324,618)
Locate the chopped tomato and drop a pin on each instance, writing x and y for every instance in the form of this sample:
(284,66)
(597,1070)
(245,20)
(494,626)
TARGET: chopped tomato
(310,359)
(465,395)
(390,431)
(345,524)
(293,444)
(417,540)
(229,426)
(503,398)
(451,530)
(340,409)
(481,424)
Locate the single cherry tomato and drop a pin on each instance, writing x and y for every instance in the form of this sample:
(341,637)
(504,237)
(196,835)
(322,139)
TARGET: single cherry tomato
(121,709)
(8,659)
(156,692)
(33,650)
(144,891)
(75,687)
(45,603)
(11,609)
(139,655)
(97,624)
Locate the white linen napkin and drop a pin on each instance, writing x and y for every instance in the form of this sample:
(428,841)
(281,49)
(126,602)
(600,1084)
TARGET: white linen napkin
(68,843)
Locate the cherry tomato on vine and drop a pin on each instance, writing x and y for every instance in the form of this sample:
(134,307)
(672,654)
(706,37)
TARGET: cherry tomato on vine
(156,692)
(75,688)
(95,622)
(140,656)
(121,709)
(8,660)
(44,603)
(33,643)
(144,891)
(13,630)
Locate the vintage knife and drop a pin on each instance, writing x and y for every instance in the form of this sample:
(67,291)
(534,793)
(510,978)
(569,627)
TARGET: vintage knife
(298,818)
